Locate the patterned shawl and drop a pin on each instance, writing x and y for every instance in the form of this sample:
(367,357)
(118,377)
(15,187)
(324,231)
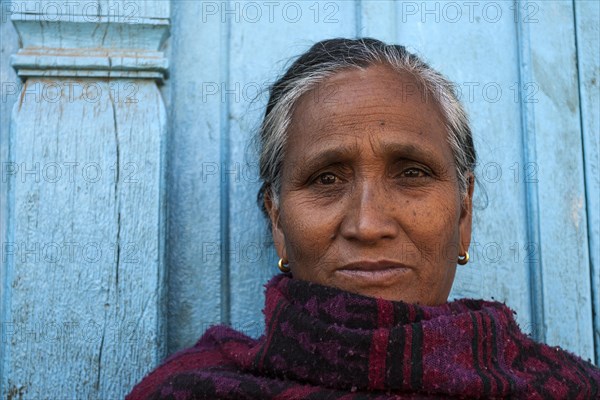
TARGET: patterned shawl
(325,343)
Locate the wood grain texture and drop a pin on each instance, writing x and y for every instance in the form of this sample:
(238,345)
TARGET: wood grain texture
(84,279)
(84,271)
(587,15)
(92,10)
(194,253)
(557,147)
(9,92)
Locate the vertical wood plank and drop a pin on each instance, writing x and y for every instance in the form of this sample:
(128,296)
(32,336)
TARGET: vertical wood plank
(84,251)
(9,92)
(553,137)
(10,87)
(587,15)
(536,292)
(195,252)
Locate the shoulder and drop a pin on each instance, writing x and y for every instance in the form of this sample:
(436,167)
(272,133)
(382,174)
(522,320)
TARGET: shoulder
(193,366)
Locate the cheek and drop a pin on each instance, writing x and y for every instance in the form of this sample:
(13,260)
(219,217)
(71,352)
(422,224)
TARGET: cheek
(308,231)
(432,226)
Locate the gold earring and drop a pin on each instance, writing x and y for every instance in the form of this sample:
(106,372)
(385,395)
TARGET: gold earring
(462,260)
(282,267)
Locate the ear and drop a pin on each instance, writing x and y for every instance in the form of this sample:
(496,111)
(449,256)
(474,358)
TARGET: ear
(466,216)
(278,235)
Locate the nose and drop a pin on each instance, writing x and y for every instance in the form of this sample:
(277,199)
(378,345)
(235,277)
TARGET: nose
(370,215)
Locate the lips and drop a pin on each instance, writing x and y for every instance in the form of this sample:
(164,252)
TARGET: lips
(373,266)
(380,273)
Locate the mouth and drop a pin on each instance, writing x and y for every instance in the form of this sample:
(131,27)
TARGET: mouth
(373,270)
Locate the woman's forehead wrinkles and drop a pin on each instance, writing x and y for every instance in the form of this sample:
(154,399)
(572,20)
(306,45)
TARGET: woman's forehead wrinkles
(328,152)
(400,141)
(344,128)
(322,121)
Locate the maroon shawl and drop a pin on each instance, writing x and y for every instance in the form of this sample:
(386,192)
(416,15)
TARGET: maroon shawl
(324,343)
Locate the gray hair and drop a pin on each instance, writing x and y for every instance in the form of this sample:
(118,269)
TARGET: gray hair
(331,56)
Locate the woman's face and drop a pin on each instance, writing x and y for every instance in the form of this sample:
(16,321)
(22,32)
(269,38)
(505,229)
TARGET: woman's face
(370,201)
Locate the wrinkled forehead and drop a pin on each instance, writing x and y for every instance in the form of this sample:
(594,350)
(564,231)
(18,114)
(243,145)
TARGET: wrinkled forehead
(373,94)
(360,102)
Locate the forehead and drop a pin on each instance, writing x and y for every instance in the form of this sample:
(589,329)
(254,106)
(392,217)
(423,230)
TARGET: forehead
(377,103)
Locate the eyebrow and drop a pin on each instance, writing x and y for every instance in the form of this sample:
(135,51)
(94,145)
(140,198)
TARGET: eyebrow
(340,154)
(408,150)
(322,158)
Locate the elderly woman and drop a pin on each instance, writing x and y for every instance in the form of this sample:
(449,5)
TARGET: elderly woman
(367,163)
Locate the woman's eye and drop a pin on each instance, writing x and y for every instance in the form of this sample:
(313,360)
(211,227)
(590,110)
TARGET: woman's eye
(326,179)
(413,173)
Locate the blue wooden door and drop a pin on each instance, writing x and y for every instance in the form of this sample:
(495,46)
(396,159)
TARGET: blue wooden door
(184,201)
